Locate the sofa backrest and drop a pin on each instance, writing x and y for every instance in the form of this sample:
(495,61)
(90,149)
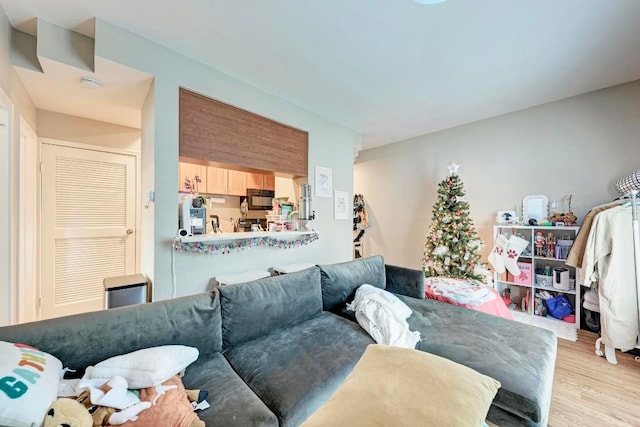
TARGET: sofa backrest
(340,281)
(405,281)
(256,308)
(85,339)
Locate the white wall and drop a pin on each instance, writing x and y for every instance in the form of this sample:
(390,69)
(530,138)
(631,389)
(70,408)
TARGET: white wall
(5,173)
(580,145)
(5,51)
(9,80)
(5,219)
(147,213)
(16,102)
(329,145)
(77,129)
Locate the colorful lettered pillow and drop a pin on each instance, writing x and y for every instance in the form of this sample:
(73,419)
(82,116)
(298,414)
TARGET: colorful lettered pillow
(29,380)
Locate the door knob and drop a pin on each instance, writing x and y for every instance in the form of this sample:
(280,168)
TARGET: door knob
(129,230)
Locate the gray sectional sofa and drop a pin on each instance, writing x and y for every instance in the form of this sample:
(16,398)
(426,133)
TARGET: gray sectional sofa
(273,350)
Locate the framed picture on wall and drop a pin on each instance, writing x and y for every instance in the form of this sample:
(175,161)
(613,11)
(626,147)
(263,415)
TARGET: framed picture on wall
(323,182)
(341,202)
(506,217)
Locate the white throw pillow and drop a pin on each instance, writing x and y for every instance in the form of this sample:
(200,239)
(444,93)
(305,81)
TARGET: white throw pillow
(147,367)
(29,381)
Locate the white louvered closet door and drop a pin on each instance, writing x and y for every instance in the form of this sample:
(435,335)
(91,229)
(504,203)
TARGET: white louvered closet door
(88,219)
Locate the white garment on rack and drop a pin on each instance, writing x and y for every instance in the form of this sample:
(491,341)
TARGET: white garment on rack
(609,260)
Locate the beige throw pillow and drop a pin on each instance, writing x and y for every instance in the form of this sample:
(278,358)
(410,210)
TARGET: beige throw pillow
(391,386)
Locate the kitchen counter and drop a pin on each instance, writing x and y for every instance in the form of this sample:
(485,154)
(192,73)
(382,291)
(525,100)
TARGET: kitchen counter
(228,242)
(245,235)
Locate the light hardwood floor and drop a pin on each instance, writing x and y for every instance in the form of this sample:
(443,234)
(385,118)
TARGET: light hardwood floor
(589,391)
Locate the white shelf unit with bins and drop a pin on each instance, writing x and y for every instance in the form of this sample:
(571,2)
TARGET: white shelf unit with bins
(536,280)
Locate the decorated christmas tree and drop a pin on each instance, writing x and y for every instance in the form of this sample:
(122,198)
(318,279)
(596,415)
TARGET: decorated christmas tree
(452,247)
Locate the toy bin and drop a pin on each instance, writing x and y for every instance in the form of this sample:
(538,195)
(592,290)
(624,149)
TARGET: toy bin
(525,274)
(543,280)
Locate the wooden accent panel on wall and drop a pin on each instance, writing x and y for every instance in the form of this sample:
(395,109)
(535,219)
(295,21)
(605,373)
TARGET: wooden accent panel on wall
(219,132)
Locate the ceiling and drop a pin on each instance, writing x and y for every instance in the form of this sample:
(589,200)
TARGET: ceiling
(388,69)
(118,100)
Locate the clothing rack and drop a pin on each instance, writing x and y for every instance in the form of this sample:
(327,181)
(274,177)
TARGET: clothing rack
(636,247)
(610,352)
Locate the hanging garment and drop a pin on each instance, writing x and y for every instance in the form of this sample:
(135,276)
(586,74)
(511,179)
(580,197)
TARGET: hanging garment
(592,300)
(576,254)
(609,261)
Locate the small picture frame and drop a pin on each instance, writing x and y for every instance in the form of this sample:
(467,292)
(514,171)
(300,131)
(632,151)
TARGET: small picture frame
(506,217)
(324,185)
(341,205)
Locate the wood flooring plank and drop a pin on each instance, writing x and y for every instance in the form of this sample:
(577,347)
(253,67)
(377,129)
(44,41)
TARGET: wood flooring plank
(588,391)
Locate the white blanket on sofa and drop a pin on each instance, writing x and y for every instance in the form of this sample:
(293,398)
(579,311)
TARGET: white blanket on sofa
(383,316)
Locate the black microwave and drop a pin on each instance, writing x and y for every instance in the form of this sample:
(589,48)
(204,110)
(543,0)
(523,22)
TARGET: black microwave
(259,200)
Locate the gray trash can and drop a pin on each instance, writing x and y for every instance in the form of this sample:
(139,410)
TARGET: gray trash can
(125,290)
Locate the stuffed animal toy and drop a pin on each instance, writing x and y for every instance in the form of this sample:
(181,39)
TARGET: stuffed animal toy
(67,413)
(556,217)
(568,218)
(167,403)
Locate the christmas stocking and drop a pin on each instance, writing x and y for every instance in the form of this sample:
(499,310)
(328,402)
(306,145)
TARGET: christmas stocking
(495,257)
(515,246)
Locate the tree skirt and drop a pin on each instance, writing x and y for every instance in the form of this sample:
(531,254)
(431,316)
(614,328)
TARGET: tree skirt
(564,330)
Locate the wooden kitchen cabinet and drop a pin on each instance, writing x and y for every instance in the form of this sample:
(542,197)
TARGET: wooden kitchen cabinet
(261,181)
(189,171)
(269,182)
(237,184)
(217,180)
(221,181)
(254,180)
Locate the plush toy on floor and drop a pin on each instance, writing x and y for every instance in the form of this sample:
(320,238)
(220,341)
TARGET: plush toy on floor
(67,413)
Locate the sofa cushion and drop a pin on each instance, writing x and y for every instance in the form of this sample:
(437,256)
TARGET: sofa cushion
(340,281)
(232,401)
(520,356)
(254,309)
(295,370)
(86,339)
(392,386)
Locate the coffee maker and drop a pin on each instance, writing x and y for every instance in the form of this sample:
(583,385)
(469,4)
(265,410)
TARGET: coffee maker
(191,219)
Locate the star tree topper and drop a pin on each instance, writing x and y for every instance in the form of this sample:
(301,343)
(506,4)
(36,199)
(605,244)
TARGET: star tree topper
(453,169)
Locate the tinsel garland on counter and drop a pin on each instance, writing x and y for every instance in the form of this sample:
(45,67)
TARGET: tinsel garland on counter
(244,244)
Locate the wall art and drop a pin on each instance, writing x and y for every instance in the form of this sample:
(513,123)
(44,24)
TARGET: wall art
(323,183)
